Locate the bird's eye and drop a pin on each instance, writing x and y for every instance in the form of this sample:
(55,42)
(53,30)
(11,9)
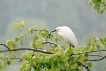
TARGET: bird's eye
(57,29)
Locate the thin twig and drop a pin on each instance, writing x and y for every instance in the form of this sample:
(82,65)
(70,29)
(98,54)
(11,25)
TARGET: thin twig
(97,46)
(45,42)
(13,58)
(38,30)
(45,39)
(99,50)
(97,59)
(5,46)
(96,55)
(87,52)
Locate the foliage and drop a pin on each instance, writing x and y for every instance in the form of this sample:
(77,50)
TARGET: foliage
(99,5)
(39,57)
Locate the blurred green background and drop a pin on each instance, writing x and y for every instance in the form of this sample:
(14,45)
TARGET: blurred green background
(76,14)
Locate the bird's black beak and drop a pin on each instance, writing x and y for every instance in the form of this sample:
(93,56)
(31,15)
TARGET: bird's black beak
(53,31)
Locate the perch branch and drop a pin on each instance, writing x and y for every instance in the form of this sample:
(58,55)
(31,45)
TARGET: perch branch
(35,50)
(45,42)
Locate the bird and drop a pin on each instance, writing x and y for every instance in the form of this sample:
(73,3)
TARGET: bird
(67,35)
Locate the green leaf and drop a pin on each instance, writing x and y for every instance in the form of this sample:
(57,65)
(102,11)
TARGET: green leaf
(79,49)
(8,43)
(64,46)
(17,39)
(17,52)
(35,26)
(20,40)
(96,7)
(59,38)
(15,25)
(1,55)
(101,12)
(102,41)
(102,1)
(24,56)
(8,62)
(73,66)
(90,2)
(30,30)
(12,60)
(98,2)
(35,38)
(104,8)
(89,64)
(23,23)
(40,44)
(14,45)
(81,58)
(69,51)
(48,65)
(10,53)
(93,43)
(11,43)
(94,48)
(21,35)
(32,44)
(19,25)
(80,68)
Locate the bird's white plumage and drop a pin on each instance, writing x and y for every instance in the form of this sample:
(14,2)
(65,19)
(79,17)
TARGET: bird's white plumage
(67,35)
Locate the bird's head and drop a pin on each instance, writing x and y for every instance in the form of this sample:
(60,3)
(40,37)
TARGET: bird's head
(58,29)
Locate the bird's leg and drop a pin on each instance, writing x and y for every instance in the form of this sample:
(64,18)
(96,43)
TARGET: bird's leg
(71,46)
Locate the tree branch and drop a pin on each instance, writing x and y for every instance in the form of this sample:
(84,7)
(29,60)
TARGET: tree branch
(86,67)
(35,50)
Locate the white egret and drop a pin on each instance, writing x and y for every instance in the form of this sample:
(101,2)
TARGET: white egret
(67,35)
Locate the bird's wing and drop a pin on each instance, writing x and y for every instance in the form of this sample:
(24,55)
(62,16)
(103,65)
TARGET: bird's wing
(70,38)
